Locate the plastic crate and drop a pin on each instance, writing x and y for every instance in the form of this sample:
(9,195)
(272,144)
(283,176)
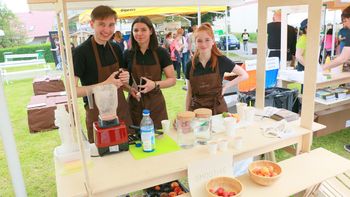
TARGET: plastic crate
(272,66)
(275,97)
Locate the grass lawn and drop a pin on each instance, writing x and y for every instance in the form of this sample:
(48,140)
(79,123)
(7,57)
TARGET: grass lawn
(35,150)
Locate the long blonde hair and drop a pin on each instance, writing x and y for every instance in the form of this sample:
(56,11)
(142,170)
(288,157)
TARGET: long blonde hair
(215,52)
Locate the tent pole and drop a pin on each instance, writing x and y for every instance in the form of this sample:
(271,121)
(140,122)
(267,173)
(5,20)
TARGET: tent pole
(10,147)
(226,30)
(199,14)
(77,126)
(333,34)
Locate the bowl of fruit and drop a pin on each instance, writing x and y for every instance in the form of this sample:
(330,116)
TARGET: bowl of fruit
(264,172)
(224,186)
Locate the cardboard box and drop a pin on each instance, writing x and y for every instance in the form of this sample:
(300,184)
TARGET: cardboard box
(40,111)
(335,119)
(47,84)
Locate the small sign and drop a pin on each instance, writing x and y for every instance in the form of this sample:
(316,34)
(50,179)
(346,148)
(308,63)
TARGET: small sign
(200,172)
(272,63)
(114,148)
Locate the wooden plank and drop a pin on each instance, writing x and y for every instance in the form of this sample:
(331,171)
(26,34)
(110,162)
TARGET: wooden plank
(345,180)
(332,187)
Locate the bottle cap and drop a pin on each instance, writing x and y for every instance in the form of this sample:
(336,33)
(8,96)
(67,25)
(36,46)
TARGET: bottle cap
(146,112)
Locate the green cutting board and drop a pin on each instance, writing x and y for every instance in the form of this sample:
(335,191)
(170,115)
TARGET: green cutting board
(164,144)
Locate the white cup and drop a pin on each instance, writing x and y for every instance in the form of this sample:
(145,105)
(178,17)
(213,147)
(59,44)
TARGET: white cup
(240,110)
(212,147)
(238,142)
(230,126)
(223,144)
(165,125)
(249,114)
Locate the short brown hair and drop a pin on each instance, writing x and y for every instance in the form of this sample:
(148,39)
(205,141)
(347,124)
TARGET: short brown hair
(346,13)
(102,12)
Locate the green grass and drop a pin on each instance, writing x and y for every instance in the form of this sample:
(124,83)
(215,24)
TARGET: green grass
(35,150)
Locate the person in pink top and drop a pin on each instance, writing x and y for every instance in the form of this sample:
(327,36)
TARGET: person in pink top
(328,43)
(176,52)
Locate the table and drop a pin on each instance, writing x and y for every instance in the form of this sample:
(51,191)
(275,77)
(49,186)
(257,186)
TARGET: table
(40,111)
(298,174)
(119,173)
(47,84)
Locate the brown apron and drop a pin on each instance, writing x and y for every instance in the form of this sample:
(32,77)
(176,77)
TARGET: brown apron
(207,92)
(153,100)
(103,73)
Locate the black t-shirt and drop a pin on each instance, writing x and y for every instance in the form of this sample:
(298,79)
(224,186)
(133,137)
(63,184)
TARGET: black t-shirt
(147,58)
(274,38)
(84,60)
(225,65)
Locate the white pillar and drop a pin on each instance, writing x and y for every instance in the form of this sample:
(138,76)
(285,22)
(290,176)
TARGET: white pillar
(284,39)
(10,147)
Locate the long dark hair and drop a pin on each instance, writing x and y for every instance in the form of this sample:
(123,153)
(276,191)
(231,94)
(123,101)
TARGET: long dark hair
(153,42)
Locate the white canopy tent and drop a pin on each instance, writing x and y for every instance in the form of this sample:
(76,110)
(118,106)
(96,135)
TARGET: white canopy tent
(61,7)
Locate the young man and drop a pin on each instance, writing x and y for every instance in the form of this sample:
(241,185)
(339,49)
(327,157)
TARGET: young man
(96,62)
(245,38)
(345,53)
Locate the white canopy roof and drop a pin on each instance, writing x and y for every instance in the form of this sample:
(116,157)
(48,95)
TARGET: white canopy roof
(86,4)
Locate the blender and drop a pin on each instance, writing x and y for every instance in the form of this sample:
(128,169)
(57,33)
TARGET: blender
(110,133)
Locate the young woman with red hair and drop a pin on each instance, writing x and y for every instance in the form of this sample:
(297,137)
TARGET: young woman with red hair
(206,71)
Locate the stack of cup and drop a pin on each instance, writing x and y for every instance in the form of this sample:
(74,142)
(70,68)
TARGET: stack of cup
(230,126)
(249,114)
(165,126)
(241,110)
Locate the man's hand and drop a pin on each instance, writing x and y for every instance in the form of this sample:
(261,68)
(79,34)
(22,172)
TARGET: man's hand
(124,76)
(150,85)
(112,80)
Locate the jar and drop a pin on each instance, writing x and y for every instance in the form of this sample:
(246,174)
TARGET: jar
(202,125)
(184,129)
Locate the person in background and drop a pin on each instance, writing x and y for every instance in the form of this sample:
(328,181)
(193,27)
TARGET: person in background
(168,40)
(118,38)
(345,53)
(205,73)
(328,43)
(176,51)
(245,38)
(274,39)
(301,46)
(146,62)
(341,37)
(185,51)
(191,40)
(96,62)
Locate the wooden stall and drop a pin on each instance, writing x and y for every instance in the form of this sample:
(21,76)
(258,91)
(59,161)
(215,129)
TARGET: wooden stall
(121,173)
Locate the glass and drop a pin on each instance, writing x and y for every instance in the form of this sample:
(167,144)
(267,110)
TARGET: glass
(184,129)
(202,125)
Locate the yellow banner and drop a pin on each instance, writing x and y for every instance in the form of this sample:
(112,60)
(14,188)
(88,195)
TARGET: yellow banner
(134,12)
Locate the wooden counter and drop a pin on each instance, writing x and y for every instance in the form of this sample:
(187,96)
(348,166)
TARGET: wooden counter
(120,173)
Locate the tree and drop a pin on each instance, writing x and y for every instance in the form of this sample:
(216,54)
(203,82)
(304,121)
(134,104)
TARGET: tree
(15,33)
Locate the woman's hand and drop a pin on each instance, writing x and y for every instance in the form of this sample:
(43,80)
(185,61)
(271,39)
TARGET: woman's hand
(149,85)
(134,93)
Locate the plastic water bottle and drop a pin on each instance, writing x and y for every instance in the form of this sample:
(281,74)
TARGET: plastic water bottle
(147,132)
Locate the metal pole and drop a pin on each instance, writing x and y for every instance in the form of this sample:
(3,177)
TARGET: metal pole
(226,30)
(199,14)
(10,147)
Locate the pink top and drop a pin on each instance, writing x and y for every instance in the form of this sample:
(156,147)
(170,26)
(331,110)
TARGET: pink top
(328,44)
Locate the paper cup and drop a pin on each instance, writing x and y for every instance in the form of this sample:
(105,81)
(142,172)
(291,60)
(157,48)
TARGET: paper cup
(240,110)
(230,126)
(165,125)
(238,142)
(249,114)
(223,144)
(212,148)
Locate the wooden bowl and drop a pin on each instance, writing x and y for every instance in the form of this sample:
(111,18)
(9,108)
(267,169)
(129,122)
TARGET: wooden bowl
(264,178)
(229,184)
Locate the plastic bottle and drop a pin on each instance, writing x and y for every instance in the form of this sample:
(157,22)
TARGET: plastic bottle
(147,132)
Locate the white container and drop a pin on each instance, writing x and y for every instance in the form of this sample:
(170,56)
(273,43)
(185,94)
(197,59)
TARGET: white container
(212,148)
(165,125)
(241,110)
(202,125)
(230,126)
(249,114)
(185,134)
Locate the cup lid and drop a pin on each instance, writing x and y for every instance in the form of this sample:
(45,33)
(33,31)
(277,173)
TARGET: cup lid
(203,112)
(187,115)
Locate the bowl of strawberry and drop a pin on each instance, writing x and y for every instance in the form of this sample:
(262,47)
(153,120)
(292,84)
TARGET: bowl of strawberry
(224,186)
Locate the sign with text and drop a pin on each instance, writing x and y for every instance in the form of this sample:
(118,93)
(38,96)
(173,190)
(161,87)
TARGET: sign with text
(200,172)
(272,63)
